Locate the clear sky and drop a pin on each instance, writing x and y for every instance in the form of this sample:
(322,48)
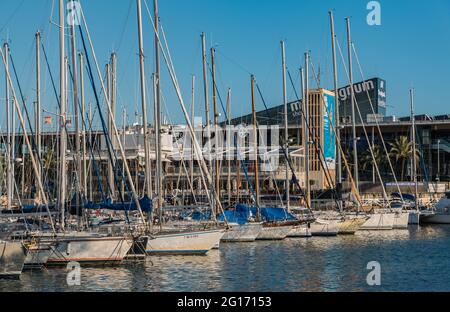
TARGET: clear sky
(411,47)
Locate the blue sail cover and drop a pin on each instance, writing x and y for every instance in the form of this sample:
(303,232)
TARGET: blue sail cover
(145,203)
(268,214)
(243,213)
(233,216)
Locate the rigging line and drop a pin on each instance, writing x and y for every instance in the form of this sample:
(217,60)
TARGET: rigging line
(110,148)
(181,151)
(319,150)
(355,189)
(176,85)
(285,153)
(111,192)
(125,164)
(234,62)
(12,16)
(365,130)
(125,25)
(378,125)
(33,143)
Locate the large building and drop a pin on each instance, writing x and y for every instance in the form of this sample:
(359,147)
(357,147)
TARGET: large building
(368,93)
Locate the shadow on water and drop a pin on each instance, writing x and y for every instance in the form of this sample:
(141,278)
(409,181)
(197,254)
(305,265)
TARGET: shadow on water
(411,260)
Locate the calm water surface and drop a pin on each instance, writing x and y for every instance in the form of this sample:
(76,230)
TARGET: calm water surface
(411,260)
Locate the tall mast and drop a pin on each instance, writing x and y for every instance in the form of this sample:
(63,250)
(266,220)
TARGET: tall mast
(143,100)
(26,140)
(193,119)
(305,83)
(10,192)
(157,88)
(77,120)
(229,139)
(336,109)
(124,121)
(216,127)
(110,177)
(83,125)
(91,120)
(113,97)
(37,113)
(413,140)
(352,101)
(286,130)
(205,90)
(62,120)
(158,151)
(255,149)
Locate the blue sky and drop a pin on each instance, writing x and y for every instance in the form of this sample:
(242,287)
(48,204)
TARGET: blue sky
(411,48)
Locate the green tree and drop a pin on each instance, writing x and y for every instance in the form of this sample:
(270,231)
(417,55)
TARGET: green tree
(401,151)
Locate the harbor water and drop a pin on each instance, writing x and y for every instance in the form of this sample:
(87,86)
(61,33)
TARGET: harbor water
(417,259)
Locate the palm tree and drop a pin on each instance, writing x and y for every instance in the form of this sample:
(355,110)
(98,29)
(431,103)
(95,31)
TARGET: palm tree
(401,151)
(378,158)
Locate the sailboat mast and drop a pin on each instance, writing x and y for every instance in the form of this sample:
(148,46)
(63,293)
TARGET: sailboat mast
(205,90)
(84,124)
(255,150)
(352,101)
(229,139)
(286,129)
(37,113)
(27,140)
(413,140)
(9,186)
(336,109)
(62,120)
(143,101)
(158,114)
(193,120)
(124,121)
(305,83)
(216,127)
(77,154)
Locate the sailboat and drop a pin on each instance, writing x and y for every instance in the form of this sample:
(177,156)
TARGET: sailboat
(183,241)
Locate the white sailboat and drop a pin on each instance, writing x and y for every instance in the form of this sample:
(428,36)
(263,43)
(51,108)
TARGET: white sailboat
(242,232)
(186,243)
(302,230)
(87,248)
(274,232)
(379,221)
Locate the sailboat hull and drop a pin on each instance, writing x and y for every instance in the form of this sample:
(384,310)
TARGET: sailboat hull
(379,221)
(350,226)
(274,232)
(325,228)
(401,220)
(187,243)
(242,233)
(89,250)
(300,231)
(37,256)
(12,259)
